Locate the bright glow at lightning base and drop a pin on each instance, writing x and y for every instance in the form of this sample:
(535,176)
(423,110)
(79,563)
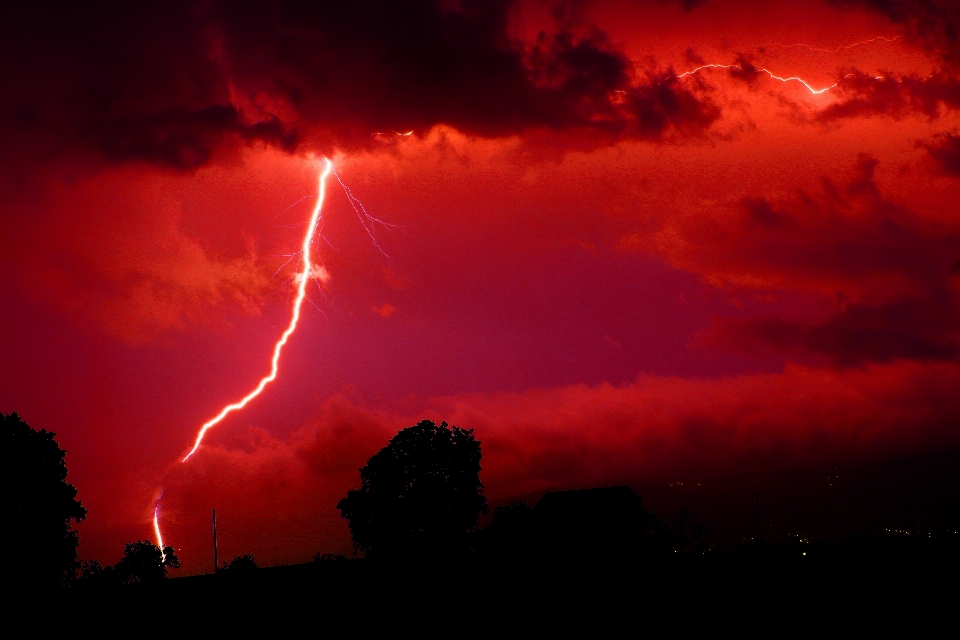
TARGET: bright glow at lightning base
(156,526)
(305,274)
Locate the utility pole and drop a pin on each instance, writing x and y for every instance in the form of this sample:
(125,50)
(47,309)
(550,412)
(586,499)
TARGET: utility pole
(756,497)
(216,563)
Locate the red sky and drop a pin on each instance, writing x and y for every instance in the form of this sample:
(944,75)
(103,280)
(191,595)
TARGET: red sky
(613,274)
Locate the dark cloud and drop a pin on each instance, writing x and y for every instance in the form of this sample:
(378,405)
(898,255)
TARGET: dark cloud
(893,95)
(945,151)
(913,329)
(184,139)
(693,58)
(123,80)
(849,238)
(933,24)
(889,270)
(662,107)
(394,66)
(744,69)
(168,82)
(688,5)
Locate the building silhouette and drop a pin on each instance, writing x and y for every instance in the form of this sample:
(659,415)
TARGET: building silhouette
(595,523)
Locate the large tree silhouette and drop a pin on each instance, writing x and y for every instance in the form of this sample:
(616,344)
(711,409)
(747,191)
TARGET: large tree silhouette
(38,505)
(242,565)
(419,495)
(143,561)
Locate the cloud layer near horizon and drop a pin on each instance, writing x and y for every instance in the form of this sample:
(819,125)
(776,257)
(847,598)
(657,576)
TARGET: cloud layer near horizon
(657,429)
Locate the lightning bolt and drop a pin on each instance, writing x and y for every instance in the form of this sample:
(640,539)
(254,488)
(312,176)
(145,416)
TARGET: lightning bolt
(846,47)
(766,71)
(307,272)
(807,85)
(156,528)
(369,225)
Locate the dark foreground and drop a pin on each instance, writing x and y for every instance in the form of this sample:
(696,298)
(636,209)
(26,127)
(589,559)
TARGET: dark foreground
(881,584)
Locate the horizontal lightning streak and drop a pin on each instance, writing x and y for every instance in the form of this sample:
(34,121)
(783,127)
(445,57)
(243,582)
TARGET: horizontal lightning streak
(302,277)
(766,71)
(800,45)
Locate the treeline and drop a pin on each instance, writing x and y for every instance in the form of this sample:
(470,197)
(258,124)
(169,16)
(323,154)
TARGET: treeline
(420,499)
(142,562)
(40,509)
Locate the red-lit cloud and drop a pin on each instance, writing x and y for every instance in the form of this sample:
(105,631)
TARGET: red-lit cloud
(945,151)
(933,24)
(656,428)
(889,272)
(847,239)
(612,269)
(894,95)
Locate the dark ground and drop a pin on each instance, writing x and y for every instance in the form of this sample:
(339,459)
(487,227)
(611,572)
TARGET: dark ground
(866,583)
(903,577)
(829,502)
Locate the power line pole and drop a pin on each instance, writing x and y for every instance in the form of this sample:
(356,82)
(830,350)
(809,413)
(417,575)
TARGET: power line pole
(756,497)
(216,562)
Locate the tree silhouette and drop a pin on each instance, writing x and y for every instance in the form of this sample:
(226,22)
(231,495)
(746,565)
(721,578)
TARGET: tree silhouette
(686,530)
(38,505)
(242,565)
(144,562)
(608,522)
(328,557)
(510,531)
(94,576)
(419,495)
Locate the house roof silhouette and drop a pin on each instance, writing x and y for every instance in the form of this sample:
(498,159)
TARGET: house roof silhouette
(589,502)
(591,520)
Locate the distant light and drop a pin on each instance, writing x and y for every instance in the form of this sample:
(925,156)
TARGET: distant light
(804,553)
